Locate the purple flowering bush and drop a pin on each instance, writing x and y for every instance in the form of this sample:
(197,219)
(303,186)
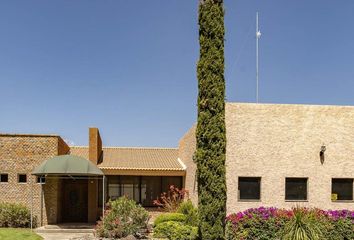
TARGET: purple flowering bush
(269,223)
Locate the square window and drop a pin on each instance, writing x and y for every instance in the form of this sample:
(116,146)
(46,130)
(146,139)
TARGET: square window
(4,177)
(22,178)
(342,188)
(296,189)
(249,188)
(40,180)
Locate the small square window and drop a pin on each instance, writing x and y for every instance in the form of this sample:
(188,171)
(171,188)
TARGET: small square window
(40,179)
(342,189)
(22,178)
(249,188)
(296,189)
(4,177)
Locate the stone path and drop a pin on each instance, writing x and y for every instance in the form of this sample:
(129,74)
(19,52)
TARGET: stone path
(67,236)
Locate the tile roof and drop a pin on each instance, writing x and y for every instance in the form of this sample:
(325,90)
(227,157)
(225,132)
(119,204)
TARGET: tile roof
(126,158)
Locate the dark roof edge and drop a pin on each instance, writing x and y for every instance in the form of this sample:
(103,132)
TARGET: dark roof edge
(114,147)
(28,135)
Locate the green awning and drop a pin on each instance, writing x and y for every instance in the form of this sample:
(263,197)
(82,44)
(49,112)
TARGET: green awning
(67,165)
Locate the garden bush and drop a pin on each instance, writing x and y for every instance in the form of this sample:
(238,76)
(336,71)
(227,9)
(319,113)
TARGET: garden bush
(175,231)
(303,225)
(167,217)
(15,215)
(187,208)
(272,223)
(171,200)
(122,217)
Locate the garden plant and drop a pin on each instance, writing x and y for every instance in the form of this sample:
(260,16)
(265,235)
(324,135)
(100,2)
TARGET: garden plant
(211,132)
(123,217)
(296,224)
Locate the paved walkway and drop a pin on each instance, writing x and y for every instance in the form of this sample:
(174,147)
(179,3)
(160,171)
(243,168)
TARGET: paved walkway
(67,236)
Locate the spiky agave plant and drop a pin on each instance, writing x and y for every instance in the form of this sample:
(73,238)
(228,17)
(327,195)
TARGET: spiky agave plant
(303,226)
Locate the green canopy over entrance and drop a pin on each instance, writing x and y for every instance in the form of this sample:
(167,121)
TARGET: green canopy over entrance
(67,165)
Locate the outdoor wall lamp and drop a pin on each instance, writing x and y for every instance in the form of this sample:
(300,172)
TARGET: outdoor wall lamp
(323,149)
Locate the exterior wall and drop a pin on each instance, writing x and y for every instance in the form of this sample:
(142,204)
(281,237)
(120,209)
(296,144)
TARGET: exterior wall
(93,200)
(277,141)
(274,141)
(186,150)
(20,154)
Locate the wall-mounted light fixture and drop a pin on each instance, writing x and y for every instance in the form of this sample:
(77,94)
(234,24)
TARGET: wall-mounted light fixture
(322,156)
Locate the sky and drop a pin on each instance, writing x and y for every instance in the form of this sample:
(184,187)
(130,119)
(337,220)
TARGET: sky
(129,67)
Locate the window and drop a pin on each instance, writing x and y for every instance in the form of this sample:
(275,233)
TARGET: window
(342,189)
(296,189)
(142,189)
(249,188)
(4,177)
(40,180)
(22,178)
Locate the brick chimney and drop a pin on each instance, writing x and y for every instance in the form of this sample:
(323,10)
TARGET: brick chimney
(95,145)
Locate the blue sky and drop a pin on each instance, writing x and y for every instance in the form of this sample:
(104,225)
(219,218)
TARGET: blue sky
(129,67)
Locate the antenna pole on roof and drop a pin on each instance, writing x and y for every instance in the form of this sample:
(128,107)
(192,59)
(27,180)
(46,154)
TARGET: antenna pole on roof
(258,35)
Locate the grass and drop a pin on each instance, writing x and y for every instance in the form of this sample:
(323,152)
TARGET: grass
(18,233)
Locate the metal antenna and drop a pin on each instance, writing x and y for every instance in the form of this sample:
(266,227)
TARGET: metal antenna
(258,35)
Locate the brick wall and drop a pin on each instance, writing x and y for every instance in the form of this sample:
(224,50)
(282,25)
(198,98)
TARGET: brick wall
(274,141)
(21,154)
(186,150)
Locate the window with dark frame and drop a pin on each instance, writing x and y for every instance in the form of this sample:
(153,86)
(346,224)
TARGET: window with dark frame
(40,179)
(4,177)
(342,188)
(142,189)
(249,188)
(296,189)
(22,178)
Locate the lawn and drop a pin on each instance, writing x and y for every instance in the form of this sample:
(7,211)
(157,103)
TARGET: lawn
(18,233)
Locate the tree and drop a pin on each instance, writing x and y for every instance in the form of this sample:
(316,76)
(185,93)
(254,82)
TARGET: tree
(211,132)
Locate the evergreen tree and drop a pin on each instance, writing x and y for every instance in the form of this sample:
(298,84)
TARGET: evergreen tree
(211,133)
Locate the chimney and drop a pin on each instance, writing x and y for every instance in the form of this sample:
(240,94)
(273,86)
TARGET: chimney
(95,145)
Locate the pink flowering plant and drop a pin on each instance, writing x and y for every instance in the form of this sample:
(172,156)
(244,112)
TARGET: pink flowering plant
(269,223)
(123,217)
(171,200)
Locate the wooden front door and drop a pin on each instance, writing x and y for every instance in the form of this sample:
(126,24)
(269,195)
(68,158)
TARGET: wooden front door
(74,204)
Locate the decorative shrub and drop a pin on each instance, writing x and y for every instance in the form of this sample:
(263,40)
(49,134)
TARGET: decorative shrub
(123,217)
(339,224)
(304,225)
(171,200)
(191,213)
(166,217)
(272,223)
(175,231)
(16,216)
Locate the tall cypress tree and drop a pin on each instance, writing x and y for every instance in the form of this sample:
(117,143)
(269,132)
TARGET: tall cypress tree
(211,132)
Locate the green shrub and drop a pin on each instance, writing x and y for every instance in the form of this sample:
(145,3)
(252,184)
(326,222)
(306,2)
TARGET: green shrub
(187,208)
(175,231)
(16,216)
(303,226)
(339,228)
(123,217)
(167,217)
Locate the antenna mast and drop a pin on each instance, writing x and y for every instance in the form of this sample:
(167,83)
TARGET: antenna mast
(258,35)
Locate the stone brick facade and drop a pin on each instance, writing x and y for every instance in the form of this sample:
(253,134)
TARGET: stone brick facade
(275,141)
(270,141)
(186,150)
(20,154)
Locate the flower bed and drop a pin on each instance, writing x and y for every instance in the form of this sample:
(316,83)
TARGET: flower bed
(269,223)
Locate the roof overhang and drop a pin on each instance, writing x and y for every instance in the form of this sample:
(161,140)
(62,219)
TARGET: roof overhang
(69,165)
(144,172)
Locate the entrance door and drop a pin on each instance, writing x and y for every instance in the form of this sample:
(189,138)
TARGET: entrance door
(74,204)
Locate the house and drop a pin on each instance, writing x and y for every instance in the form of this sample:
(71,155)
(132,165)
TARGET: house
(277,155)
